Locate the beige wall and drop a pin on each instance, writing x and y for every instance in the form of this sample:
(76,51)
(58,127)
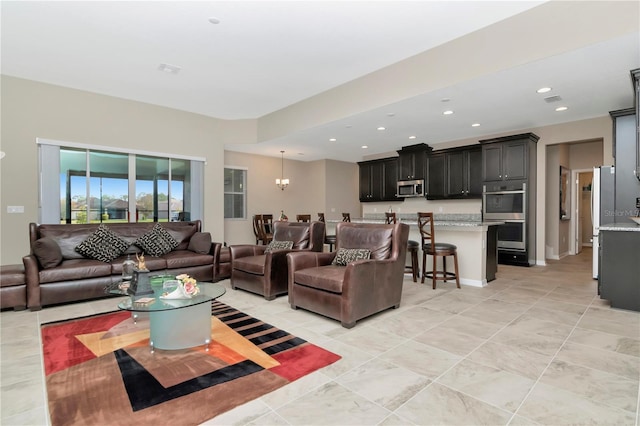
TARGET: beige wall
(316,186)
(33,110)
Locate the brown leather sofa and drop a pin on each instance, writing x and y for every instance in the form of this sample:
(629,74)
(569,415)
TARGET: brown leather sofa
(359,289)
(76,277)
(265,273)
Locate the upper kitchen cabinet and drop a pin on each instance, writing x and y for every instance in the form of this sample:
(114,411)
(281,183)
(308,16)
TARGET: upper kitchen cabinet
(455,173)
(508,158)
(378,180)
(464,173)
(412,161)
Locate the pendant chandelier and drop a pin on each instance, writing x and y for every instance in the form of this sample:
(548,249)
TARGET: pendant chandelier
(282,183)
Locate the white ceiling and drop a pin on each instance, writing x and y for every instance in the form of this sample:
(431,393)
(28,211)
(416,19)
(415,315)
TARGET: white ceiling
(264,56)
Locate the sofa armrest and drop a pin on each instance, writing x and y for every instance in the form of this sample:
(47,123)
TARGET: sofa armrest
(32,278)
(372,280)
(298,260)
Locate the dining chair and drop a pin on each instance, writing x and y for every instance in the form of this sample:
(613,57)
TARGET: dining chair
(346,217)
(412,248)
(432,248)
(303,218)
(328,239)
(262,228)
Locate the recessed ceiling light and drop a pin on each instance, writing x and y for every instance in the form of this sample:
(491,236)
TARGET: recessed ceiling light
(382,128)
(348,126)
(475,125)
(543,90)
(391,114)
(562,108)
(332,140)
(169,69)
(412,137)
(448,112)
(445,100)
(214,20)
(364,147)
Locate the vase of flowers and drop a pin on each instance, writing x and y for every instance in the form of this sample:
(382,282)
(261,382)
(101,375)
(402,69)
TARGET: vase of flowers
(186,288)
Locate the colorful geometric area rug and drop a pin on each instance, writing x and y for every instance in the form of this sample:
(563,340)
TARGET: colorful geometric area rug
(100,370)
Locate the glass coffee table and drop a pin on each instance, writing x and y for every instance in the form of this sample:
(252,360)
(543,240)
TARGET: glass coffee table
(175,323)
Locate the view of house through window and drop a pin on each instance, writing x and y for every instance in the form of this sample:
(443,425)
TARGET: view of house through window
(235,193)
(102,194)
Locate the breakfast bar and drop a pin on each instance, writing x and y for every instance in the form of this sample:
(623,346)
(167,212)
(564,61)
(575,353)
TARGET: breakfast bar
(476,242)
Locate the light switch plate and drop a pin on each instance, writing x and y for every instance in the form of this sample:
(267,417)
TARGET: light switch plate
(15,209)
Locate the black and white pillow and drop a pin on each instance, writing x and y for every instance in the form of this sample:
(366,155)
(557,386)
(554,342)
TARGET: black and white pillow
(346,256)
(279,245)
(157,241)
(103,244)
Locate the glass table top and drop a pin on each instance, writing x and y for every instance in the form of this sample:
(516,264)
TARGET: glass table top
(154,303)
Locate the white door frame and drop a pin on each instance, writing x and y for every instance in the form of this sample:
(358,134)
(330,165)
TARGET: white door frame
(575,229)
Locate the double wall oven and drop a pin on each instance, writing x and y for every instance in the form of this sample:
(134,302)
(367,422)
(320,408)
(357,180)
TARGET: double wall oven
(508,204)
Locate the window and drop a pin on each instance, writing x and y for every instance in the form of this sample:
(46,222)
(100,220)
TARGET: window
(96,185)
(235,193)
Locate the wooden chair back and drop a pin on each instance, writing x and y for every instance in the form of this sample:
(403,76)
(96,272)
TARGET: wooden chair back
(303,218)
(321,217)
(426,227)
(346,217)
(390,218)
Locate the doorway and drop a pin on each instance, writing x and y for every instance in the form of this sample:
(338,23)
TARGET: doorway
(581,221)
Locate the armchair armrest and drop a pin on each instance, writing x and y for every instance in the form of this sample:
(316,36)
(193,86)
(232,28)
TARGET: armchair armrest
(245,250)
(32,277)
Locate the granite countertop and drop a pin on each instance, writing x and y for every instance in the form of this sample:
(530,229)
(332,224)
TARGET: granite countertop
(470,220)
(620,227)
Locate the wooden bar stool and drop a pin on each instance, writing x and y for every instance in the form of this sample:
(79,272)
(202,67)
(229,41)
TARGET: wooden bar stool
(346,217)
(412,248)
(432,248)
(328,239)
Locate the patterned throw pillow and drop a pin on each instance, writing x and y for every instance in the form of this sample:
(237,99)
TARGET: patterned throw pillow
(346,256)
(279,245)
(157,241)
(103,244)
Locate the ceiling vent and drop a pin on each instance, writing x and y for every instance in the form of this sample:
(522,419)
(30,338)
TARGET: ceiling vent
(552,99)
(169,69)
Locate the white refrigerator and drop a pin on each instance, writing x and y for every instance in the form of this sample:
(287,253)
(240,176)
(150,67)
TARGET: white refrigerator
(602,207)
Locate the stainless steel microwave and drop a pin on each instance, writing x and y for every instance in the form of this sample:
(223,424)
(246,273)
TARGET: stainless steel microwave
(410,188)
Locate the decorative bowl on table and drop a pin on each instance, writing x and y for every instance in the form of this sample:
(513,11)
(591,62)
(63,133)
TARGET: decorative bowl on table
(636,219)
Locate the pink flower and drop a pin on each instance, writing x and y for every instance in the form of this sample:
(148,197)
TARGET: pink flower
(189,284)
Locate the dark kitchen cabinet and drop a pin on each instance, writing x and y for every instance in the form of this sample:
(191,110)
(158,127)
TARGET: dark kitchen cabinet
(412,162)
(636,88)
(507,158)
(436,167)
(455,173)
(619,268)
(464,173)
(378,180)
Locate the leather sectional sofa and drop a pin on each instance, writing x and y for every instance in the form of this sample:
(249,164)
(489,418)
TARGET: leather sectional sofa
(56,272)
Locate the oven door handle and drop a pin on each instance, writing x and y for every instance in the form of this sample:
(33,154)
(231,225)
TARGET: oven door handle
(504,192)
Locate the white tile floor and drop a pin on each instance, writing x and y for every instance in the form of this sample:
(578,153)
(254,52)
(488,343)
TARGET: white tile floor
(536,346)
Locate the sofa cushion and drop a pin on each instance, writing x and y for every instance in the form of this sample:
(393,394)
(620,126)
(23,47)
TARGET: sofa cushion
(185,258)
(327,278)
(200,243)
(103,244)
(250,264)
(75,269)
(278,245)
(346,256)
(48,252)
(157,241)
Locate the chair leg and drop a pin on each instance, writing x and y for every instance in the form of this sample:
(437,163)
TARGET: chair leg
(424,266)
(444,268)
(414,265)
(435,274)
(455,263)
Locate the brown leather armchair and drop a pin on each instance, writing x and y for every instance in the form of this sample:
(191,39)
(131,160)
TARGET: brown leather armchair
(266,273)
(362,288)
